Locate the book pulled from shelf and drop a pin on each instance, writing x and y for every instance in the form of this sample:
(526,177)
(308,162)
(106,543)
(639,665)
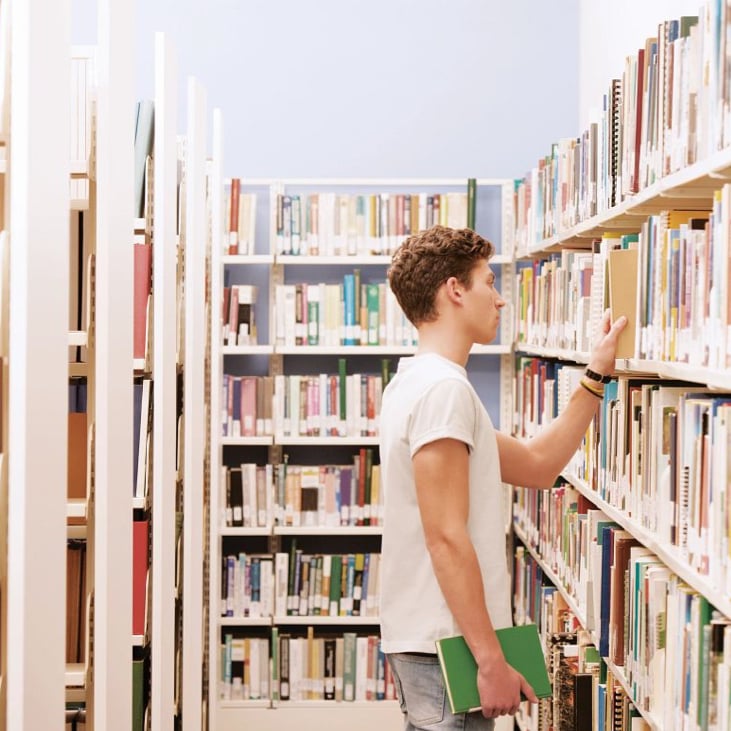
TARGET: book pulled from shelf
(522,649)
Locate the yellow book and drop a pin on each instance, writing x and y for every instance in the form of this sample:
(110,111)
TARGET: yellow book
(622,286)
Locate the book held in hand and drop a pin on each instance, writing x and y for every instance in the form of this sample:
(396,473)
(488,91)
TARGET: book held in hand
(522,649)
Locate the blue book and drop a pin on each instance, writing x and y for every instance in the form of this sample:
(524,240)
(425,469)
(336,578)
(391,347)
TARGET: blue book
(607,534)
(349,314)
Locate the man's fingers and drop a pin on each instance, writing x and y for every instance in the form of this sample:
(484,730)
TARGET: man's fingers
(525,686)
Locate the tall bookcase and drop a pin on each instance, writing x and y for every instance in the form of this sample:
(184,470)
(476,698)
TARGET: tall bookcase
(35,371)
(282,348)
(4,352)
(628,555)
(66,139)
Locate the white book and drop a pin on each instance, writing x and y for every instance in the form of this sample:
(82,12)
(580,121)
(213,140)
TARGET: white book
(254,669)
(361,668)
(143,439)
(281,577)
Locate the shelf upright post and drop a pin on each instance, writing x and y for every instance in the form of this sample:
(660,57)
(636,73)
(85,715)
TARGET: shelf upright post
(216,451)
(38,219)
(194,405)
(112,601)
(164,369)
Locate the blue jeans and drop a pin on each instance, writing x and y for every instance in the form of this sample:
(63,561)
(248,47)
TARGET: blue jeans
(423,699)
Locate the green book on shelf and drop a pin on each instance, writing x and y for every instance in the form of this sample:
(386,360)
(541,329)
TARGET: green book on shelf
(522,649)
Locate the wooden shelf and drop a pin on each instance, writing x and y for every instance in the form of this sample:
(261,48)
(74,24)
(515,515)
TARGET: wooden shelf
(319,620)
(247,259)
(692,187)
(245,621)
(343,530)
(247,441)
(77,338)
(325,441)
(75,675)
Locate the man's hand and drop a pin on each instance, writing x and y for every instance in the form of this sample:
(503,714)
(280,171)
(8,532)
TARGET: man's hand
(500,687)
(605,346)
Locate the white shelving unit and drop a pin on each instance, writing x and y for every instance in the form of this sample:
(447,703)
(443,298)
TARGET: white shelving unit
(112,200)
(264,715)
(693,188)
(164,371)
(196,232)
(33,638)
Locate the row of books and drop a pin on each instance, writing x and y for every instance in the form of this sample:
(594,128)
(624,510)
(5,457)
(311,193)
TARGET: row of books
(328,404)
(320,405)
(303,495)
(346,667)
(349,313)
(334,224)
(681,280)
(658,451)
(679,491)
(239,219)
(300,584)
(670,279)
(666,636)
(247,406)
(554,301)
(669,110)
(541,390)
(586,692)
(239,314)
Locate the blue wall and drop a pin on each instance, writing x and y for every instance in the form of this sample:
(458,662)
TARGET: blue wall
(426,88)
(373,88)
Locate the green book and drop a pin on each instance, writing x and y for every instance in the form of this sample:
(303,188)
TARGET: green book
(471,202)
(522,649)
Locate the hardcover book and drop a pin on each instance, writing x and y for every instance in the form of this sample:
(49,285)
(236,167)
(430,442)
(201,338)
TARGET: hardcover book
(522,649)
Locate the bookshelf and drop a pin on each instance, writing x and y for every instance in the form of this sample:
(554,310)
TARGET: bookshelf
(645,496)
(280,349)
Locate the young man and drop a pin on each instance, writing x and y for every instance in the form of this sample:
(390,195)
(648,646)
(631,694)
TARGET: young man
(444,568)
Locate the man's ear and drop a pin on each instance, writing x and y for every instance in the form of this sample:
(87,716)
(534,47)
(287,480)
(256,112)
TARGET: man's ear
(453,289)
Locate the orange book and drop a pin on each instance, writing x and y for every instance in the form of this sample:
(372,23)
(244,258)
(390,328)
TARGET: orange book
(77,455)
(140,546)
(233,228)
(142,288)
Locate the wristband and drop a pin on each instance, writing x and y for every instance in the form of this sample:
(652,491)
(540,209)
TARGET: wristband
(593,391)
(598,377)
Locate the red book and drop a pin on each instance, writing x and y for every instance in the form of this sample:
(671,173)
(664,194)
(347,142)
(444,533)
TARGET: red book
(361,485)
(140,546)
(248,406)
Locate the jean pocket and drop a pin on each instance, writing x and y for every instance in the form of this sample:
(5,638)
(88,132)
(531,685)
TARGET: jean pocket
(420,689)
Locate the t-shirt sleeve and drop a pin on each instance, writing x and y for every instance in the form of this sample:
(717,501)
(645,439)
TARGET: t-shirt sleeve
(444,411)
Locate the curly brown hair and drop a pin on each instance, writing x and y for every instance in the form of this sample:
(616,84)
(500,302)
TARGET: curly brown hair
(426,260)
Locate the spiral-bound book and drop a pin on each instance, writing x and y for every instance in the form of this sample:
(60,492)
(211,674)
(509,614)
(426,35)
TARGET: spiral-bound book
(522,649)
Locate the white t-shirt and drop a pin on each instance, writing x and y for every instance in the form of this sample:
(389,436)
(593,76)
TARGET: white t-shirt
(430,398)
